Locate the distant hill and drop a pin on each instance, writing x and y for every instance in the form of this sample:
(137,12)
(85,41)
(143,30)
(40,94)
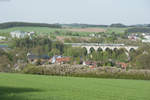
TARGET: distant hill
(148,25)
(140,25)
(26,24)
(119,25)
(138,29)
(76,25)
(116,25)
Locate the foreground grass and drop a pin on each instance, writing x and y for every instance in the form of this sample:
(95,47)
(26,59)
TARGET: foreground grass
(35,87)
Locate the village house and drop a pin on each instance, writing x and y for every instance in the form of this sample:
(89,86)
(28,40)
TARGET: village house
(146,38)
(134,37)
(20,34)
(144,34)
(122,65)
(32,58)
(95,35)
(2,38)
(92,35)
(90,64)
(59,59)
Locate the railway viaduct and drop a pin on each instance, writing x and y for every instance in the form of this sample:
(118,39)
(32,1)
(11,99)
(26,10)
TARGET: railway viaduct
(96,46)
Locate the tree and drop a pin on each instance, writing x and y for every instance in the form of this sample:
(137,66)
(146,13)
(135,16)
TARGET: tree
(105,56)
(122,57)
(54,51)
(117,25)
(92,50)
(143,61)
(100,50)
(141,57)
(5,64)
(25,24)
(74,52)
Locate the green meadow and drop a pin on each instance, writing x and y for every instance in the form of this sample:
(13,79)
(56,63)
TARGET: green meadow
(116,30)
(44,30)
(57,31)
(36,87)
(28,29)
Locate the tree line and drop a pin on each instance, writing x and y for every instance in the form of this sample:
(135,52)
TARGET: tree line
(26,24)
(138,30)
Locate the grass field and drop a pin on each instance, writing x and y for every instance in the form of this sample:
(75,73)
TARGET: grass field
(44,30)
(28,29)
(80,31)
(116,30)
(35,87)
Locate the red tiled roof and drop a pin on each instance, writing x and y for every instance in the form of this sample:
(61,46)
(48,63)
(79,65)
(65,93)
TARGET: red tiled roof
(64,59)
(123,65)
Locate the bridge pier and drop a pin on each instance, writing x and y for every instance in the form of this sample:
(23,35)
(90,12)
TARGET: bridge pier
(88,46)
(128,48)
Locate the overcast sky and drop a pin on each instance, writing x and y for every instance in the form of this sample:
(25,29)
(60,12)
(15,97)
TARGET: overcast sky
(76,11)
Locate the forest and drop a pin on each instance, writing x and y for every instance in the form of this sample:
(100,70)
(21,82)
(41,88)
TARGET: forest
(26,24)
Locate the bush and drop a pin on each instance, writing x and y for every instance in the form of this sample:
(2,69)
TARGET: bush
(31,69)
(5,64)
(84,71)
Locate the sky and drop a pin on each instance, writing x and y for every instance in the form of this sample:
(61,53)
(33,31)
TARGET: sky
(127,12)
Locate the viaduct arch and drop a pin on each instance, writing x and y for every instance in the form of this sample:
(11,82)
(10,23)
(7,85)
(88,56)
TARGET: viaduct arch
(128,48)
(96,46)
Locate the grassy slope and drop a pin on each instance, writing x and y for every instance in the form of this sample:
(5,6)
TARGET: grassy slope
(116,30)
(35,29)
(34,87)
(47,30)
(41,30)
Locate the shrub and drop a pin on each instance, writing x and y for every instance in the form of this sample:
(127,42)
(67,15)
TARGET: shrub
(84,71)
(31,69)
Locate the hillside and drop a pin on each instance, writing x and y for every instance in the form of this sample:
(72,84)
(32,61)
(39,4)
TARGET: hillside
(36,87)
(138,30)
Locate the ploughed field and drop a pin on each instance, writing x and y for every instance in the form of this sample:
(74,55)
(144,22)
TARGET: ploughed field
(87,30)
(36,87)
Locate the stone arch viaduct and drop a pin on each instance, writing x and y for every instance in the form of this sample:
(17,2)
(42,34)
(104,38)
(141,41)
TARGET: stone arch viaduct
(96,46)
